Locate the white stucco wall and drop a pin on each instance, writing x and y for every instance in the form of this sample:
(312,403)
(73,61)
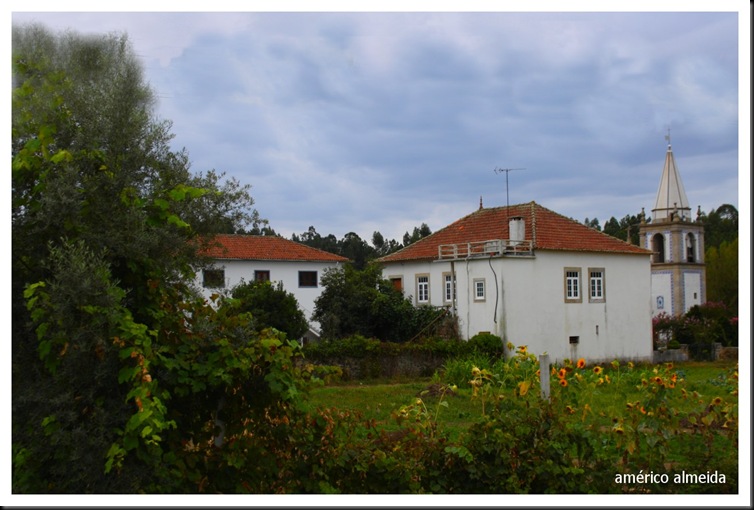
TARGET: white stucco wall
(525,302)
(280,271)
(692,289)
(662,292)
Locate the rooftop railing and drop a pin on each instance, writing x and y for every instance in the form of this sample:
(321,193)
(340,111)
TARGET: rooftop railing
(478,249)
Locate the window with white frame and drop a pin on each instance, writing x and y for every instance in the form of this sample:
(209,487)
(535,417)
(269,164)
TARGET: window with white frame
(450,287)
(597,285)
(479,290)
(573,284)
(422,288)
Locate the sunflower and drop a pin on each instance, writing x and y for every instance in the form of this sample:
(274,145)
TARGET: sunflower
(658,380)
(563,383)
(562,373)
(597,370)
(717,401)
(581,363)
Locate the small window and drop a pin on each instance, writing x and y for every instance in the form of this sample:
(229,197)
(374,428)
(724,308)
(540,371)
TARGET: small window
(479,290)
(573,339)
(573,285)
(262,276)
(450,293)
(307,278)
(422,289)
(596,285)
(214,278)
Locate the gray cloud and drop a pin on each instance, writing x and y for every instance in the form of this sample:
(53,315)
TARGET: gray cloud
(383,121)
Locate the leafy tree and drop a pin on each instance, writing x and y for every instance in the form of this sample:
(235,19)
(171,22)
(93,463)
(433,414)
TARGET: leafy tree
(720,225)
(116,364)
(382,246)
(361,302)
(416,234)
(270,306)
(593,223)
(722,274)
(627,229)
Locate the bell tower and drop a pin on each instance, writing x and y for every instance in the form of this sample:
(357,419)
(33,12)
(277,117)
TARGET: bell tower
(677,245)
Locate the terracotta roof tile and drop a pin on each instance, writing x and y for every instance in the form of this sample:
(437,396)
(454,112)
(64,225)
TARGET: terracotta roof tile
(252,247)
(547,230)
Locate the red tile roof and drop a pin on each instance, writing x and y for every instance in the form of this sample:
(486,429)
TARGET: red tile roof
(547,230)
(251,247)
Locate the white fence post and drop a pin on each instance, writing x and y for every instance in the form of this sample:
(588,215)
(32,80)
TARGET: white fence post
(544,375)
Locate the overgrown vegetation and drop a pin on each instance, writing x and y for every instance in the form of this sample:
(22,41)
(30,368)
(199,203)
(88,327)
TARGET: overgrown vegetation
(699,328)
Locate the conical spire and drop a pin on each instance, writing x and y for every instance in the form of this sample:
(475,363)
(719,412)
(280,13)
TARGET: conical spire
(671,197)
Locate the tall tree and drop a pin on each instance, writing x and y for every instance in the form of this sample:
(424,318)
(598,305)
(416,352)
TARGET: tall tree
(627,229)
(106,224)
(722,274)
(720,225)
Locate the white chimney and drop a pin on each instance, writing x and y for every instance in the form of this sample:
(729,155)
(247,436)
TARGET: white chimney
(516,230)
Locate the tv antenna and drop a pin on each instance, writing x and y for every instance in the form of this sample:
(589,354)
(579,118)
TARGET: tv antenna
(507,170)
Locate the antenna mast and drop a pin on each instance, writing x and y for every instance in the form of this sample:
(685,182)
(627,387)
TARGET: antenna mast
(506,170)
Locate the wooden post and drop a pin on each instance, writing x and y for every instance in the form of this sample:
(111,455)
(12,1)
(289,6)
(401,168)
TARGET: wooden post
(544,375)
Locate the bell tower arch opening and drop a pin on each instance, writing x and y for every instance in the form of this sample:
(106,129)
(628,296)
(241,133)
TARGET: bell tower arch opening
(658,247)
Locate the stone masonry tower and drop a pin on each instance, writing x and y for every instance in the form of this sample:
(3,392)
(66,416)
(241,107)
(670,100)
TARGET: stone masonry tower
(677,243)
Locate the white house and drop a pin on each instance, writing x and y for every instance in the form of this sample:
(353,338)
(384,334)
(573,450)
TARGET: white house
(270,258)
(534,278)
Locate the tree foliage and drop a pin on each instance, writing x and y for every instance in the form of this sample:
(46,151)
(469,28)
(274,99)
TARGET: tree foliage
(720,225)
(361,302)
(627,229)
(117,365)
(270,307)
(357,249)
(722,274)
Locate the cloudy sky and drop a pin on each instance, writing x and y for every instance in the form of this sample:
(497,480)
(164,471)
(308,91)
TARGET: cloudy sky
(364,121)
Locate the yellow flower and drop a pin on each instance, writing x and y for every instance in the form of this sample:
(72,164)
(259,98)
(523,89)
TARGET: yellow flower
(475,371)
(563,383)
(607,379)
(600,381)
(581,363)
(522,349)
(630,364)
(570,410)
(716,401)
(597,370)
(562,373)
(658,380)
(510,346)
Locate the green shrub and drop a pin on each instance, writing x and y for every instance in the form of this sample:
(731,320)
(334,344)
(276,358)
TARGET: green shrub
(486,343)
